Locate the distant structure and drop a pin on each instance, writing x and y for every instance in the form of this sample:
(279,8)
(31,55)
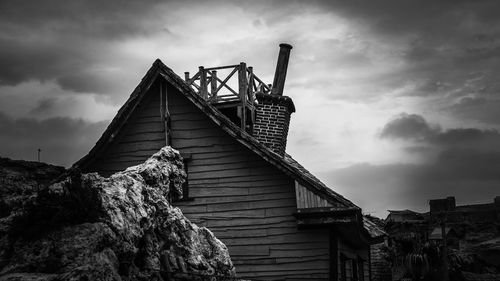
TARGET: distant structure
(445,210)
(403,216)
(489,212)
(467,232)
(278,220)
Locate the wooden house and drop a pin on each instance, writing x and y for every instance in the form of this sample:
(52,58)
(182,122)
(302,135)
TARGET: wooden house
(278,220)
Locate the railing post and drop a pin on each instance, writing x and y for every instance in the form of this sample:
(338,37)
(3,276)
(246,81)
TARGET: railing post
(251,85)
(203,82)
(243,87)
(186,76)
(251,95)
(213,85)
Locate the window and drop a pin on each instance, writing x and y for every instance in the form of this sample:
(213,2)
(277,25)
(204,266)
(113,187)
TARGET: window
(361,269)
(343,268)
(355,271)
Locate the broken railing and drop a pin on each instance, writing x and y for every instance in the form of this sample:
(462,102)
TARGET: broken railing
(239,91)
(213,88)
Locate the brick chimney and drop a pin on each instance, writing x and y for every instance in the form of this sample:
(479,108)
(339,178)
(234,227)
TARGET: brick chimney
(273,109)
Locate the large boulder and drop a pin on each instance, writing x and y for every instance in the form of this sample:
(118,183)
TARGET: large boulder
(86,227)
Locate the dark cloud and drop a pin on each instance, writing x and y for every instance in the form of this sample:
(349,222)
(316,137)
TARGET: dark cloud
(444,44)
(62,140)
(403,16)
(110,19)
(469,175)
(415,128)
(408,126)
(70,42)
(461,162)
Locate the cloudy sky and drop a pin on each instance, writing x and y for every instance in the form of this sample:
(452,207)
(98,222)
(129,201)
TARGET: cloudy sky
(397,101)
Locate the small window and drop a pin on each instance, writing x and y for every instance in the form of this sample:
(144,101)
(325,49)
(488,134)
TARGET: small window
(355,272)
(343,268)
(361,269)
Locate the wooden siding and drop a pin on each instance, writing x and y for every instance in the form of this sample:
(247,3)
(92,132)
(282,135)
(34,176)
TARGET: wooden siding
(139,138)
(247,203)
(308,199)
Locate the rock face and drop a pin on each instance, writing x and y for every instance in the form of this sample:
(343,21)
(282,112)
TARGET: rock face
(87,227)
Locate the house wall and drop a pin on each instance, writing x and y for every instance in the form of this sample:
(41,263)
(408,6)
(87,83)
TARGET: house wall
(247,203)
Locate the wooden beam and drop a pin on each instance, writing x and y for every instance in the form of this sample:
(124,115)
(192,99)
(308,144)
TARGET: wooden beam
(251,85)
(162,108)
(203,83)
(194,78)
(243,86)
(222,67)
(166,119)
(264,85)
(324,221)
(223,83)
(213,84)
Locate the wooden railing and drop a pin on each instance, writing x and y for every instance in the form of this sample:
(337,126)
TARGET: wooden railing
(212,88)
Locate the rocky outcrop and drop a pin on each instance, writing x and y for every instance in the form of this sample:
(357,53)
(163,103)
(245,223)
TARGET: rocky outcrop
(21,179)
(86,227)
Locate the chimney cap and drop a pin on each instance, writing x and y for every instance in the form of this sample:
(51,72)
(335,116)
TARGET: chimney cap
(286,45)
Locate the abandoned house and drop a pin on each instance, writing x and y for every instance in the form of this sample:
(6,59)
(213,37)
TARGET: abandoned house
(278,221)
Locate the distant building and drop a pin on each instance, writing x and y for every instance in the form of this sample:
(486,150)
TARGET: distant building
(447,209)
(404,216)
(471,231)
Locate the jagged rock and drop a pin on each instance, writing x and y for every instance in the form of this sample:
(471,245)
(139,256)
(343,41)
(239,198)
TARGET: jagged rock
(87,227)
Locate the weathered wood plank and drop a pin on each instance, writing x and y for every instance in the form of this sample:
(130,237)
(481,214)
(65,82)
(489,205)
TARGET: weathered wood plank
(268,240)
(283,260)
(143,137)
(249,221)
(253,250)
(256,183)
(143,128)
(138,153)
(238,197)
(197,180)
(282,270)
(137,146)
(144,119)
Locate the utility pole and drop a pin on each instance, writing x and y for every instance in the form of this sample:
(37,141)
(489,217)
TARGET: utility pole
(444,250)
(39,151)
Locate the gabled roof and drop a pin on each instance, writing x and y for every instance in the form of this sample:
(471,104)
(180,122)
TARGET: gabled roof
(403,212)
(375,230)
(285,164)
